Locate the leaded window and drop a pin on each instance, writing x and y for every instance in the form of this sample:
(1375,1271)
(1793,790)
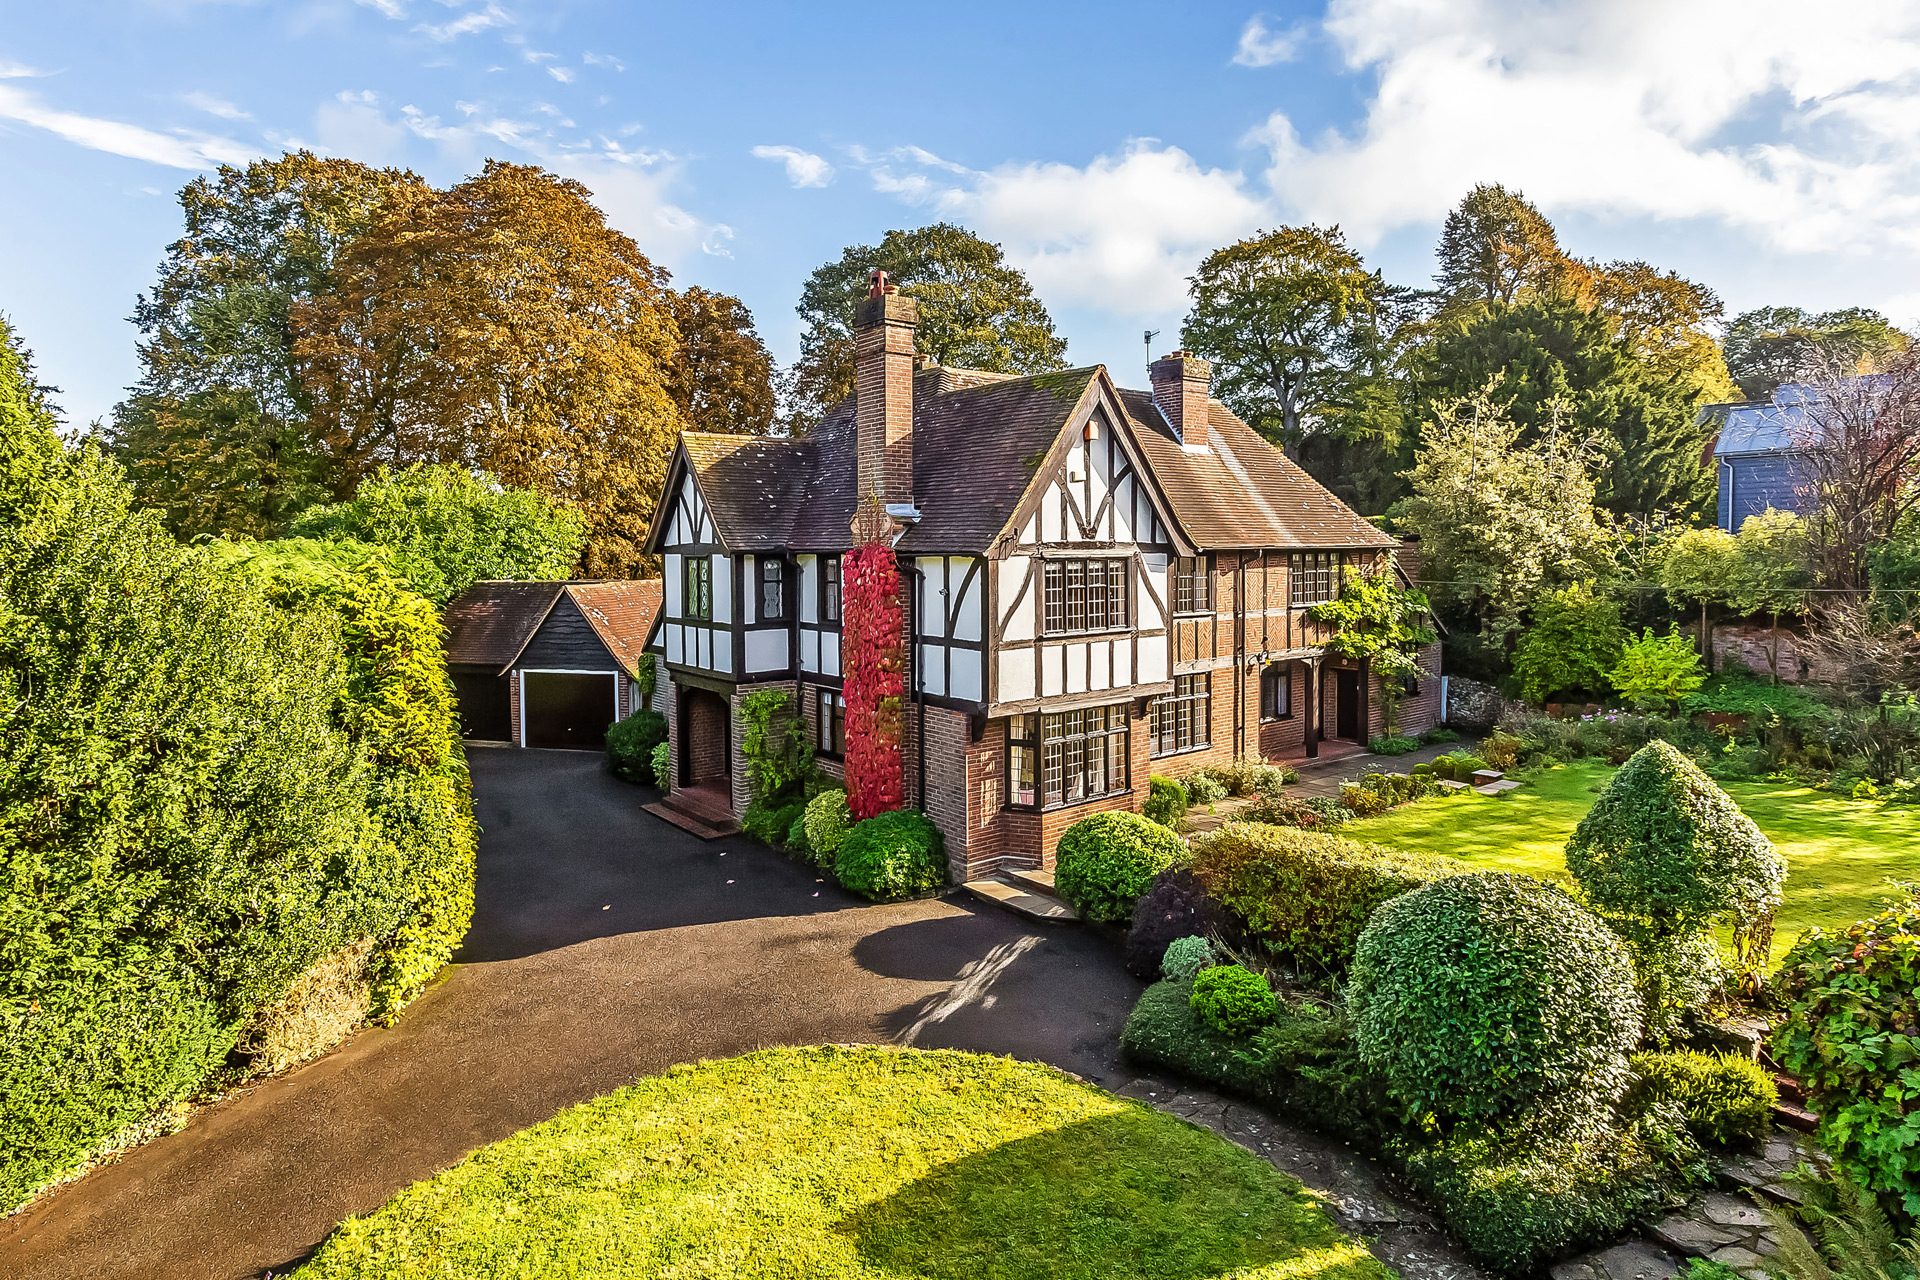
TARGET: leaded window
(1192,585)
(1315,575)
(773,589)
(1023,752)
(1183,719)
(1084,595)
(830,575)
(696,588)
(1084,754)
(833,724)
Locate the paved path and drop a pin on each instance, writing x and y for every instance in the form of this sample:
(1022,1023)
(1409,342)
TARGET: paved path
(606,945)
(1323,778)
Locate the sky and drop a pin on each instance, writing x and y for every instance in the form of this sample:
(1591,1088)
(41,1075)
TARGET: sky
(1765,149)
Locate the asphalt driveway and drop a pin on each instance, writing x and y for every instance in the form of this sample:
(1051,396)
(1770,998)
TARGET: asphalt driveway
(605,945)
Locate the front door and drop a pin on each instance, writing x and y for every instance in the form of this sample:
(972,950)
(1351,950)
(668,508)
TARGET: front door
(706,739)
(1346,705)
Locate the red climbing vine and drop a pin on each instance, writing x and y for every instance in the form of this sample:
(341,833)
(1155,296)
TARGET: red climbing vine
(875,665)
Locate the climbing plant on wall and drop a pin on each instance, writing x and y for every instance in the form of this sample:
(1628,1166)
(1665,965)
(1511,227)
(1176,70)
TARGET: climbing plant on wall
(875,665)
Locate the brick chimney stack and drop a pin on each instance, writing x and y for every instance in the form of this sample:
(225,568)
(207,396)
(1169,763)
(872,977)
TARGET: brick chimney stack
(883,392)
(1180,384)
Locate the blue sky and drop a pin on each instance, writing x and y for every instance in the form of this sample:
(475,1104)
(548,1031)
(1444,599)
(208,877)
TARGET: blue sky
(1765,149)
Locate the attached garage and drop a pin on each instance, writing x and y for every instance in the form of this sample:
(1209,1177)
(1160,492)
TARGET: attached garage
(549,664)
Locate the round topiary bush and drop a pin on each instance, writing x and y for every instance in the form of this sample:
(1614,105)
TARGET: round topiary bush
(1665,852)
(1186,957)
(1104,863)
(1480,995)
(1166,802)
(1232,1000)
(892,855)
(826,822)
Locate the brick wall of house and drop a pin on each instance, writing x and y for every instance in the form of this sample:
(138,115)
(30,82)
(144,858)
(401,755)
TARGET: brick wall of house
(742,784)
(706,722)
(949,785)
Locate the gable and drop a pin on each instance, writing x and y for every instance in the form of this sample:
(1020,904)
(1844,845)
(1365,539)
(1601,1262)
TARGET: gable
(490,622)
(566,641)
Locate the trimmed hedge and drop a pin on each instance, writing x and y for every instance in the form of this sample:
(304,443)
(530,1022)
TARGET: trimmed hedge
(1727,1099)
(208,791)
(1104,863)
(632,744)
(1306,893)
(1665,853)
(1482,996)
(896,854)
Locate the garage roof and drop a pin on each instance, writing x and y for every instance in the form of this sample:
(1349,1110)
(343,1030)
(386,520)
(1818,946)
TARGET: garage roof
(489,625)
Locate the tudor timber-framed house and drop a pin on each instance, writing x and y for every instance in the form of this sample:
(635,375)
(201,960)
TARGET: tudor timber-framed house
(1102,584)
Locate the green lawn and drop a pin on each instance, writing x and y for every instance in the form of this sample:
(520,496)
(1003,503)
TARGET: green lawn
(1839,852)
(830,1162)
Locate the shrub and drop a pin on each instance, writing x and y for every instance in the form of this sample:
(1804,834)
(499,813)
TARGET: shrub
(1850,1238)
(205,789)
(1231,1000)
(1164,1031)
(1186,957)
(1459,766)
(1311,813)
(1393,746)
(1304,893)
(1481,995)
(1438,734)
(796,841)
(1575,639)
(1251,777)
(770,823)
(663,766)
(1365,802)
(1204,788)
(632,745)
(1678,981)
(1166,802)
(1175,905)
(1501,750)
(1727,1099)
(896,854)
(1105,862)
(1657,672)
(1519,1203)
(1850,1034)
(774,744)
(826,821)
(1664,852)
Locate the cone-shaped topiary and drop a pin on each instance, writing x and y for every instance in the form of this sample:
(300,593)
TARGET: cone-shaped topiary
(1665,852)
(1479,996)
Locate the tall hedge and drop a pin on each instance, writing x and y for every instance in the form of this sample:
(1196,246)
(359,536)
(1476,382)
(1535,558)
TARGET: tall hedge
(202,792)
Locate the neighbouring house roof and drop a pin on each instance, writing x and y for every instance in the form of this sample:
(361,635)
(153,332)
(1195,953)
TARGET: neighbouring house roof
(978,440)
(491,623)
(1780,425)
(1234,489)
(622,614)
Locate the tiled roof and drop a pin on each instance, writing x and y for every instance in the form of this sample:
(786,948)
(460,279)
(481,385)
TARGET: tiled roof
(977,439)
(491,622)
(621,614)
(1236,490)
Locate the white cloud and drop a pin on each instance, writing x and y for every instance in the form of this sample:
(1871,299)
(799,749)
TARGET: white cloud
(1261,46)
(353,124)
(634,189)
(603,60)
(181,150)
(804,169)
(1121,233)
(385,8)
(464,25)
(214,106)
(1758,115)
(563,74)
(20,71)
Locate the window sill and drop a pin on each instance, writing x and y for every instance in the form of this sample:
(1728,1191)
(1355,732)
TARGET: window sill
(1057,805)
(1276,719)
(1102,633)
(1183,751)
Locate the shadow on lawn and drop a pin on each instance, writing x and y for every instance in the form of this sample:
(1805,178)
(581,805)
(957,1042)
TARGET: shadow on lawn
(1129,1193)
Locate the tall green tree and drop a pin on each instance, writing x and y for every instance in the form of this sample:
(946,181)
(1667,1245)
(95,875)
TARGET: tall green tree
(1496,247)
(1503,520)
(1769,346)
(1551,349)
(215,434)
(446,528)
(975,310)
(721,375)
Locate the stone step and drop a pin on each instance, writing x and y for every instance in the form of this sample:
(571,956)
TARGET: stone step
(1032,880)
(690,823)
(1033,906)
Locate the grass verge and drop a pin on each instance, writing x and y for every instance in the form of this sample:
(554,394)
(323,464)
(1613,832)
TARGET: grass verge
(854,1162)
